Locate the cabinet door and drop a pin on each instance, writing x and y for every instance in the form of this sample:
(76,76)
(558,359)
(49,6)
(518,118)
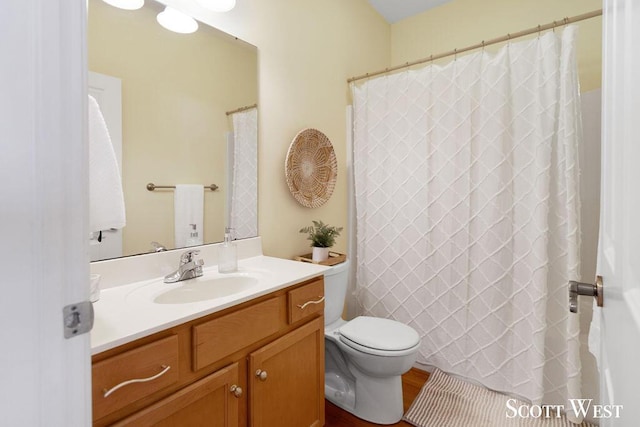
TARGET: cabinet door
(210,402)
(286,379)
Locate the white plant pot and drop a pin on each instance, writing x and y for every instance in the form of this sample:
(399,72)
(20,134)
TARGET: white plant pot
(320,254)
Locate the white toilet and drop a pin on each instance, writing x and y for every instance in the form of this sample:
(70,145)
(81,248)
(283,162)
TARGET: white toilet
(364,357)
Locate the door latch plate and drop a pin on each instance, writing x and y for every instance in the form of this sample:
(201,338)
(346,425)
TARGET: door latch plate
(77,319)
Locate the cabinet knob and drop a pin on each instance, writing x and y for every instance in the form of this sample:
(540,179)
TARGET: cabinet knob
(262,375)
(236,390)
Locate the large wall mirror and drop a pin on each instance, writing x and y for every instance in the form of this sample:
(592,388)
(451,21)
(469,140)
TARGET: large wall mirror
(169,101)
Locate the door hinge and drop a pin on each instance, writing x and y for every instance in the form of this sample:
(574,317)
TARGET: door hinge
(77,318)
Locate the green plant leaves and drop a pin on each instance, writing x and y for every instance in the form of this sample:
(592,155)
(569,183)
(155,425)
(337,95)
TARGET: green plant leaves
(321,235)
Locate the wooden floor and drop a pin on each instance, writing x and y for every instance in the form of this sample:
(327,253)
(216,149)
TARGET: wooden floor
(412,382)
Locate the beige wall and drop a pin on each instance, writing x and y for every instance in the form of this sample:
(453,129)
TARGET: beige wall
(312,48)
(176,89)
(462,23)
(307,49)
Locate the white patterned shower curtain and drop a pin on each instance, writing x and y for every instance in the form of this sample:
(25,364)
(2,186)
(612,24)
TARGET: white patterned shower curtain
(243,216)
(466,186)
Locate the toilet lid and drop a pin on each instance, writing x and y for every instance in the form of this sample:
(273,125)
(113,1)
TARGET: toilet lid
(380,334)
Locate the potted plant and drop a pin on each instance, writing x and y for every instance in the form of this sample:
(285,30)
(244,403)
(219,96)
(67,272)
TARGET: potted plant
(322,238)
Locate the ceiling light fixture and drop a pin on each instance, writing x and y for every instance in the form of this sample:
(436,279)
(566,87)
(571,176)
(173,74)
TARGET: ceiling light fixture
(125,4)
(176,21)
(218,5)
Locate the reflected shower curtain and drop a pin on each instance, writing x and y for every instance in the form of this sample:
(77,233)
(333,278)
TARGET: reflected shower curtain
(243,216)
(466,186)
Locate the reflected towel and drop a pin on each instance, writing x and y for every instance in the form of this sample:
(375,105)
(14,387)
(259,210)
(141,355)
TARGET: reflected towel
(106,200)
(189,209)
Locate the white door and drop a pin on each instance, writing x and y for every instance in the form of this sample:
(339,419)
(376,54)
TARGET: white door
(45,379)
(619,247)
(107,91)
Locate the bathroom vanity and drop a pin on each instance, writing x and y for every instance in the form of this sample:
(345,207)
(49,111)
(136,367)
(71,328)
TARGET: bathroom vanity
(252,358)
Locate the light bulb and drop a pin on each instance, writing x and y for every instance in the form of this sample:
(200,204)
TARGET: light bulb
(125,4)
(176,21)
(218,5)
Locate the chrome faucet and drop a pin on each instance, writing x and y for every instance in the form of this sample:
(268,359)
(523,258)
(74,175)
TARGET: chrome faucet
(189,268)
(157,247)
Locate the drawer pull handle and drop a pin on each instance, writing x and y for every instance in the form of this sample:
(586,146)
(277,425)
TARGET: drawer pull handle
(262,375)
(137,380)
(303,306)
(236,390)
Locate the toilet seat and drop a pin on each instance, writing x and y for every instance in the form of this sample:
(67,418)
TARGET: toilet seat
(381,337)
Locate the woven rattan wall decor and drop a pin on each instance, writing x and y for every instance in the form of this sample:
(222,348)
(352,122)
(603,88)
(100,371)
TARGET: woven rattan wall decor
(311,168)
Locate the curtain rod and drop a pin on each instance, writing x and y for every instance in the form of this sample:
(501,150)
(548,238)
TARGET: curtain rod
(238,110)
(483,43)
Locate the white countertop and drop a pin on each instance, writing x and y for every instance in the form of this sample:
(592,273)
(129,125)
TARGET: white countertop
(127,312)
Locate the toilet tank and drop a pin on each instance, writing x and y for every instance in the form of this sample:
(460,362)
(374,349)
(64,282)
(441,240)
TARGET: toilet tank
(335,291)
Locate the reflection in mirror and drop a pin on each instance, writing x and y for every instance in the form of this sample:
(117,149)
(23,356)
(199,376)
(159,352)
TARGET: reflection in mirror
(165,96)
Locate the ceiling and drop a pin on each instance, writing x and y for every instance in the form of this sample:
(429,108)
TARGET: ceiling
(396,10)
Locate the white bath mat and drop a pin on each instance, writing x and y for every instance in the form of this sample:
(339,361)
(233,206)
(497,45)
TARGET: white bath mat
(445,401)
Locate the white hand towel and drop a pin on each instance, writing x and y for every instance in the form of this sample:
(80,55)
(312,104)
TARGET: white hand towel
(189,209)
(106,200)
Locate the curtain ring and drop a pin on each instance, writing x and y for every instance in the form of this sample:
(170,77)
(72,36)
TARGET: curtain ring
(554,26)
(483,45)
(538,30)
(455,54)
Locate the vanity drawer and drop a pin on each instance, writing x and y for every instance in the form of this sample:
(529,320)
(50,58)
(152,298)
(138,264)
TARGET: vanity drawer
(156,364)
(306,301)
(227,334)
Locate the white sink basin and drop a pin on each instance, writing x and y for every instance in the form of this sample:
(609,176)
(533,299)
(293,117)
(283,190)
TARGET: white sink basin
(202,289)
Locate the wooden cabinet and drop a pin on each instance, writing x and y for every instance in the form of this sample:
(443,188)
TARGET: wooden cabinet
(212,362)
(227,334)
(210,402)
(287,379)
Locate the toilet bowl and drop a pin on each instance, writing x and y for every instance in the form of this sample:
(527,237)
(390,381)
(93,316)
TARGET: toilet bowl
(364,357)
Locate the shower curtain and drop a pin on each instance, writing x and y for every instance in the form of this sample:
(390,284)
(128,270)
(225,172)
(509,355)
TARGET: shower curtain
(467,210)
(243,216)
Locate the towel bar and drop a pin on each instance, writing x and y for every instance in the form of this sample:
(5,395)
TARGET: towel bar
(151,186)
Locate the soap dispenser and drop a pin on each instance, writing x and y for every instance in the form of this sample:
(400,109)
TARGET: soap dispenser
(228,258)
(193,239)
